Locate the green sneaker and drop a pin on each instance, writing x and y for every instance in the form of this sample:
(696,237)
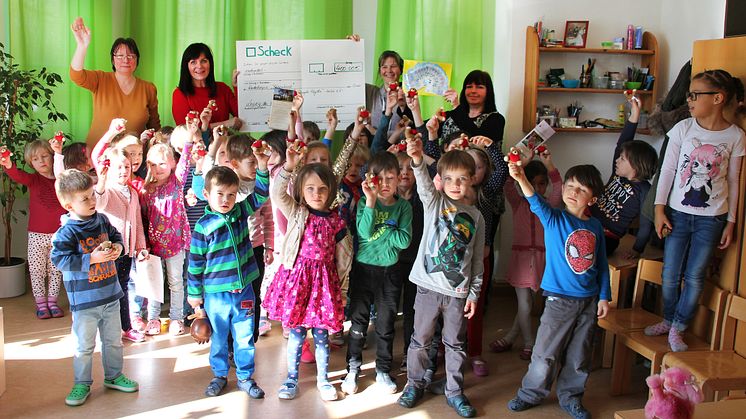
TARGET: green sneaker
(122,383)
(78,395)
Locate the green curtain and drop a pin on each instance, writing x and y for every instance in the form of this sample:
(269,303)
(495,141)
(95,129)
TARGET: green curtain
(40,36)
(459,32)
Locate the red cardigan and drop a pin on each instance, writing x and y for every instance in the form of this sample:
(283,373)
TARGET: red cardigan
(224,99)
(44,208)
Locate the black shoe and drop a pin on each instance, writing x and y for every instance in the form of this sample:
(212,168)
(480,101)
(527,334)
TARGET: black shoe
(462,406)
(216,386)
(576,409)
(519,405)
(410,396)
(251,388)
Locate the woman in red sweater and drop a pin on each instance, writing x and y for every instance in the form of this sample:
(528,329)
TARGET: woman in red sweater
(197,86)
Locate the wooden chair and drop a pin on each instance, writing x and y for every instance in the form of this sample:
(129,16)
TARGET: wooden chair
(635,317)
(721,370)
(702,335)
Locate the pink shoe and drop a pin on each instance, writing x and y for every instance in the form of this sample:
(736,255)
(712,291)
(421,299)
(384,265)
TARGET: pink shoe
(153,327)
(133,335)
(306,356)
(176,327)
(138,323)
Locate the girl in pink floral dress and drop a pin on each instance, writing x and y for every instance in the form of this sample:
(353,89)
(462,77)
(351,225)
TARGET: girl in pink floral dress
(307,292)
(162,200)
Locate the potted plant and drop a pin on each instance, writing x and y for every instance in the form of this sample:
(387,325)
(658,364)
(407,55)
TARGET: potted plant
(25,108)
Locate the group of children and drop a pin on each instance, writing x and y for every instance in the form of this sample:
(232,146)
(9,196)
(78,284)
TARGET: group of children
(281,232)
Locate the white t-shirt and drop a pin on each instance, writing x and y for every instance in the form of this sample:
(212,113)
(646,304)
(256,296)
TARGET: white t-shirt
(695,174)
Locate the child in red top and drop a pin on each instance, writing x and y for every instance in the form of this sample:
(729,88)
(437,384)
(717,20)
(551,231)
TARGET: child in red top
(43,221)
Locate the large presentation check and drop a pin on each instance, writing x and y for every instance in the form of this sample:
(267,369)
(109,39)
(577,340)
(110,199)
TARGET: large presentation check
(329,74)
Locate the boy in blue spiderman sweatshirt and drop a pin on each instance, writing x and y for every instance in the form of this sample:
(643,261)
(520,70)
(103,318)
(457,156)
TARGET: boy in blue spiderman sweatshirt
(576,284)
(84,249)
(221,269)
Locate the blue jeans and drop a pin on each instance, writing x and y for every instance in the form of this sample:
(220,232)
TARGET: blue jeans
(687,251)
(105,320)
(175,278)
(234,313)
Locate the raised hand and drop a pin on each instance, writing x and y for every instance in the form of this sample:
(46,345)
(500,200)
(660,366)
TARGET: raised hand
(81,32)
(297,101)
(451,96)
(414,149)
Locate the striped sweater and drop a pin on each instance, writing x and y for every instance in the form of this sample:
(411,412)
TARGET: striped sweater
(221,257)
(87,285)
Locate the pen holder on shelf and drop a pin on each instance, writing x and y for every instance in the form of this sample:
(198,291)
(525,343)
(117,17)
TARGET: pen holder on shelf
(585,80)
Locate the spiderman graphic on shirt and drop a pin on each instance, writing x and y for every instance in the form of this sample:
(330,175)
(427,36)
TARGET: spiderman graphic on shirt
(580,250)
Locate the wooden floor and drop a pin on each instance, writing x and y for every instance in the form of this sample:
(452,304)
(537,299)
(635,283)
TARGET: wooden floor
(173,373)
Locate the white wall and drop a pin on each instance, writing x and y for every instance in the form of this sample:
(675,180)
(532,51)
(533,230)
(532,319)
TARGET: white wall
(682,23)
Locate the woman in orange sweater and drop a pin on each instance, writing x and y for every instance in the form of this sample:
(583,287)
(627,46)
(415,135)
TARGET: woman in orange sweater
(117,94)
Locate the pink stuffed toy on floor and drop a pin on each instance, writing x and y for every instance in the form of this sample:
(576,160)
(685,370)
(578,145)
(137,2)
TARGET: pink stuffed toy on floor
(674,394)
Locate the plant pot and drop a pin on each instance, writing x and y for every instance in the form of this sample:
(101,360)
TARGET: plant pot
(13,278)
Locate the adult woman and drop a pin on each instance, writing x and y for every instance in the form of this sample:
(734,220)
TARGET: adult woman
(117,94)
(475,114)
(197,86)
(390,66)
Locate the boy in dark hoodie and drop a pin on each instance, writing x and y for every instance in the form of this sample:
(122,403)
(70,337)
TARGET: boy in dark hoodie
(84,249)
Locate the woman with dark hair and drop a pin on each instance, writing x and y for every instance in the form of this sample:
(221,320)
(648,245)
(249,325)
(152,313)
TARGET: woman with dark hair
(117,94)
(197,87)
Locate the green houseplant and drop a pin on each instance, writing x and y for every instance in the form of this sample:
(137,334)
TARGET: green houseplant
(25,109)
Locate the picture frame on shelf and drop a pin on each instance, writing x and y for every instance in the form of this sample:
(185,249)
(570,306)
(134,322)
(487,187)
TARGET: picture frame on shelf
(576,33)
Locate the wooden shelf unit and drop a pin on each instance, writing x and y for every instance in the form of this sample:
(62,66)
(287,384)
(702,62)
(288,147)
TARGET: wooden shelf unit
(649,57)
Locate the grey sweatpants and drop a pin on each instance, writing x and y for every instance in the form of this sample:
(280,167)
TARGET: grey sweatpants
(428,307)
(562,350)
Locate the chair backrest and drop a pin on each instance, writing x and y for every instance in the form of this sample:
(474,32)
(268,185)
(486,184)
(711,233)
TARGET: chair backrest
(647,271)
(708,317)
(735,312)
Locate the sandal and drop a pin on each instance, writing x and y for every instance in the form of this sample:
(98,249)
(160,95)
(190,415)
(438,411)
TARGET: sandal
(500,345)
(153,327)
(43,313)
(56,312)
(525,354)
(216,386)
(288,390)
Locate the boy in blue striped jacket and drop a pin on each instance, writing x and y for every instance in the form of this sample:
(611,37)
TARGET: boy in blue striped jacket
(84,249)
(221,269)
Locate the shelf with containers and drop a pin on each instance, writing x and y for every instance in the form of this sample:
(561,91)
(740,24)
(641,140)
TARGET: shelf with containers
(596,102)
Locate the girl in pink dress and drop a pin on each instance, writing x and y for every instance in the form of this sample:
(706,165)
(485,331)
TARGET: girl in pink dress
(527,261)
(307,291)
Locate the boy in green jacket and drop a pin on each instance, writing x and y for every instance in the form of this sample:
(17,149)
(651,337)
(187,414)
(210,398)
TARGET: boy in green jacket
(384,228)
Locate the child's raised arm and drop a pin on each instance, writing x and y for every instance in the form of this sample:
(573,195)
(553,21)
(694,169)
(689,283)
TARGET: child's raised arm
(517,173)
(116,126)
